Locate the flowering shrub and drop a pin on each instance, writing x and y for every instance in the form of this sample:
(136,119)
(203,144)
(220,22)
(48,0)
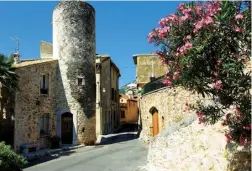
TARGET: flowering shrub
(206,46)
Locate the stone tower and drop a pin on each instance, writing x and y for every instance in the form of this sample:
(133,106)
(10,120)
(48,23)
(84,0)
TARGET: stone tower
(74,47)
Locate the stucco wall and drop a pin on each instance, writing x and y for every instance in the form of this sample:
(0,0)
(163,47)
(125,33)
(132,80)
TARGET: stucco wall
(132,111)
(30,105)
(171,106)
(46,49)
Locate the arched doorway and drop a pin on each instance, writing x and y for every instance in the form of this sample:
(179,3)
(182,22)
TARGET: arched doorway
(155,123)
(67,128)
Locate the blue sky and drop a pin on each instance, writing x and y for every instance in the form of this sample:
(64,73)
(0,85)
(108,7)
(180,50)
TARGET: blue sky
(121,29)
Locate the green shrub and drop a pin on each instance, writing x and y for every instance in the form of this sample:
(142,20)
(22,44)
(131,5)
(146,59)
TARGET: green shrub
(9,160)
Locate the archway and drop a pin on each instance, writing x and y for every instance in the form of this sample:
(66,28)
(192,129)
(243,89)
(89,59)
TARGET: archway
(155,122)
(66,128)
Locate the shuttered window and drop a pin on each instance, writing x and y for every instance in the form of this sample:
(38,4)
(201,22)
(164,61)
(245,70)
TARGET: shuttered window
(44,124)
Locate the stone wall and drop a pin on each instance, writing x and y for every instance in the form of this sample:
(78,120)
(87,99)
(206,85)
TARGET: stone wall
(74,47)
(189,146)
(30,105)
(171,106)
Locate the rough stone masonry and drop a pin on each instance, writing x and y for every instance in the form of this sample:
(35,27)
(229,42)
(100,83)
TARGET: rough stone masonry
(74,47)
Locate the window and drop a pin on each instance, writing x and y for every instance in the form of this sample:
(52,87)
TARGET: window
(80,81)
(112,94)
(44,83)
(44,124)
(122,114)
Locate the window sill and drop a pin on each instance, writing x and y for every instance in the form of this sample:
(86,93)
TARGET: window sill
(44,95)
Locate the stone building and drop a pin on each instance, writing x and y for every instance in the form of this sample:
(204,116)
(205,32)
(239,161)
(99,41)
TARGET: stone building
(107,95)
(128,110)
(58,91)
(148,66)
(35,117)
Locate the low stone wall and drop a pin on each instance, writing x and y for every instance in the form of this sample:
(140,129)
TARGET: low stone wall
(189,146)
(171,106)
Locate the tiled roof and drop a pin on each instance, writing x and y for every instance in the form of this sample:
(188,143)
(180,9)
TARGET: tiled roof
(24,63)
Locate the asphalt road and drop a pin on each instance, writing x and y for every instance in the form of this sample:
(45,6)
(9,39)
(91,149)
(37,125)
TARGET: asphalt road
(119,153)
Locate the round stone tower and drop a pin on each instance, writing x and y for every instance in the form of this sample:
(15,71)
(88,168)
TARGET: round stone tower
(74,47)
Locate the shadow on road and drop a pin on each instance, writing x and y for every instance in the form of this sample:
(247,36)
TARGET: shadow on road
(48,158)
(127,128)
(126,132)
(116,138)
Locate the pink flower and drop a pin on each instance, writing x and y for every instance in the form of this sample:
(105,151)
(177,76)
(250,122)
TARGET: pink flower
(218,84)
(188,37)
(162,32)
(208,20)
(239,16)
(167,82)
(183,18)
(215,73)
(237,29)
(167,71)
(247,127)
(200,114)
(188,45)
(219,62)
(181,7)
(176,75)
(172,17)
(201,120)
(163,21)
(198,26)
(186,11)
(150,37)
(198,9)
(212,8)
(228,137)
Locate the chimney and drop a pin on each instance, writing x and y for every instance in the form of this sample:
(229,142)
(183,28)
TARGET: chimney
(16,58)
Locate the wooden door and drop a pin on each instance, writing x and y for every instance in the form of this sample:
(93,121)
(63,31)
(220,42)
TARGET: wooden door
(67,128)
(155,124)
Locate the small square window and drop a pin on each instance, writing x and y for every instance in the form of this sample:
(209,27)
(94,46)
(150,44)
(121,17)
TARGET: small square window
(80,81)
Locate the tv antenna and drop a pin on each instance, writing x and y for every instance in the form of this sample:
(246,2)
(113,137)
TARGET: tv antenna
(16,39)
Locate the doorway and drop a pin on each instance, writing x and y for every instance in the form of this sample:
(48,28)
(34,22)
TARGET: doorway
(67,128)
(155,121)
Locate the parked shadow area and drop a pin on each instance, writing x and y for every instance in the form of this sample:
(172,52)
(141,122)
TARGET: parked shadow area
(116,138)
(128,127)
(47,158)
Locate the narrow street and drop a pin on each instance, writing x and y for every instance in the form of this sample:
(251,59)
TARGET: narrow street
(119,152)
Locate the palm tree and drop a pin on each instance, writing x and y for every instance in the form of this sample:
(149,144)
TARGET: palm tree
(8,78)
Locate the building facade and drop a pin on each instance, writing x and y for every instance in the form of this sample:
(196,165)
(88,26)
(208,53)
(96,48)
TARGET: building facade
(148,66)
(58,91)
(35,117)
(107,95)
(128,110)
